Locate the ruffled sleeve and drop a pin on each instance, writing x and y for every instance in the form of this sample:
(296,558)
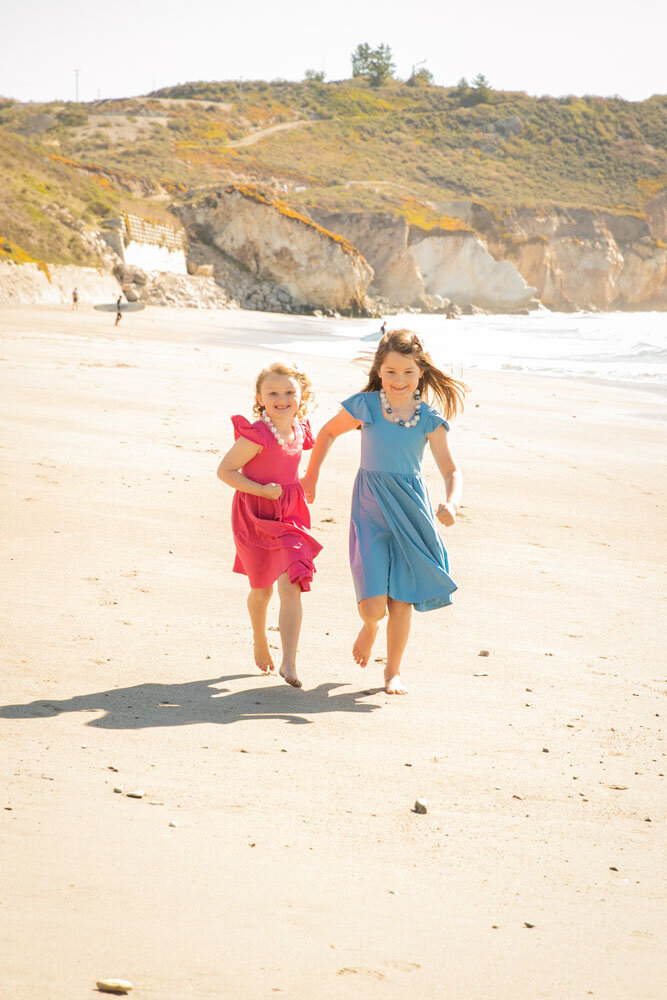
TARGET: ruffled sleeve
(358,407)
(253,432)
(308,439)
(434,420)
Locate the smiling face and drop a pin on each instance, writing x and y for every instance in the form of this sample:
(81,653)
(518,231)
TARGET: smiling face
(280,395)
(400,376)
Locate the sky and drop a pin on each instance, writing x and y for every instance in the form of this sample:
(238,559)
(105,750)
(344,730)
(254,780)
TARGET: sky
(131,47)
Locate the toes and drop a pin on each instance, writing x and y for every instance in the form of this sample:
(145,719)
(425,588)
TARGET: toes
(292,681)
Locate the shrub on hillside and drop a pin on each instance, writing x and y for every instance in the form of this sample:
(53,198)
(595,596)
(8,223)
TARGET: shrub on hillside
(73,116)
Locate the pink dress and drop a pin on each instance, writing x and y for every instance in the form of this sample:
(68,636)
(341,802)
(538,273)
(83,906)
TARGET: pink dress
(270,535)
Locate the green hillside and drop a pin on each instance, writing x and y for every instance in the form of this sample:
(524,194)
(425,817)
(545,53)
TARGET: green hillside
(333,145)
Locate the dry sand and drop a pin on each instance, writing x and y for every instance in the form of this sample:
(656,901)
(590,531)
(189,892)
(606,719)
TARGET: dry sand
(297,867)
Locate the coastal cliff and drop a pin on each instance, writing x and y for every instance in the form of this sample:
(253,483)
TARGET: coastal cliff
(567,258)
(302,265)
(579,258)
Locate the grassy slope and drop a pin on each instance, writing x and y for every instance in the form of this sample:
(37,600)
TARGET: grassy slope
(31,183)
(590,151)
(393,147)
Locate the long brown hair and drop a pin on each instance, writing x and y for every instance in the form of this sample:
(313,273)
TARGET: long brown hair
(278,368)
(448,391)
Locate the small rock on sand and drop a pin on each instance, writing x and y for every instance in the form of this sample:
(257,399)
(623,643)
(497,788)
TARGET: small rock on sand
(117,986)
(421,806)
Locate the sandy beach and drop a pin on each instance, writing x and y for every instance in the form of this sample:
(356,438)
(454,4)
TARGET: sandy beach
(275,851)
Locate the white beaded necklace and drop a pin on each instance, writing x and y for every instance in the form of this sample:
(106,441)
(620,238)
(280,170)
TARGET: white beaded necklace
(294,445)
(414,419)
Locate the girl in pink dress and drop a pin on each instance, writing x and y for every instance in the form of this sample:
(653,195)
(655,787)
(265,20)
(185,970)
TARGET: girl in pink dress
(269,511)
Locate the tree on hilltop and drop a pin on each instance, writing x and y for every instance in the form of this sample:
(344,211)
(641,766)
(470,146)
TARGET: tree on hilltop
(314,76)
(479,91)
(360,58)
(375,64)
(482,91)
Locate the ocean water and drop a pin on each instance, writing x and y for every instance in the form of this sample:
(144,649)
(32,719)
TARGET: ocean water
(610,346)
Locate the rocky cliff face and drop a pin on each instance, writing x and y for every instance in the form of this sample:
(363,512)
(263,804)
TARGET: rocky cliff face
(579,258)
(383,240)
(569,259)
(459,267)
(421,267)
(589,259)
(313,268)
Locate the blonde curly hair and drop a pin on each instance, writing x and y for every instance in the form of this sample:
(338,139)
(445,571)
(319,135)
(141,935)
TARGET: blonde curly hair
(279,368)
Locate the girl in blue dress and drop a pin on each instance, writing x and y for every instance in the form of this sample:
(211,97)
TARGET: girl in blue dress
(397,557)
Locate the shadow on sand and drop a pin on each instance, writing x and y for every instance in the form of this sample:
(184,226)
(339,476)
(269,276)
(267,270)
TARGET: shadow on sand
(145,706)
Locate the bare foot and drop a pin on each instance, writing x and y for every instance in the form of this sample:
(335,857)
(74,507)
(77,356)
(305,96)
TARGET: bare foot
(393,684)
(288,673)
(361,651)
(263,657)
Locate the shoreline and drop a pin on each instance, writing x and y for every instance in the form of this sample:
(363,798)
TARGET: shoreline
(246,328)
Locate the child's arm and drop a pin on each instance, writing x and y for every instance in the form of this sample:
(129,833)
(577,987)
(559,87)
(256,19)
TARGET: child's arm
(239,455)
(340,424)
(450,472)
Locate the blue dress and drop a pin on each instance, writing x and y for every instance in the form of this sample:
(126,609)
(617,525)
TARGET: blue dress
(395,545)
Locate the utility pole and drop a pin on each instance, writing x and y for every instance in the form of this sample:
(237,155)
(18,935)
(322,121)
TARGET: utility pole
(76,77)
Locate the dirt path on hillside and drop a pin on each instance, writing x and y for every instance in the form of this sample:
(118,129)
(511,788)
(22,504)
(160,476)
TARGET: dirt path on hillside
(250,140)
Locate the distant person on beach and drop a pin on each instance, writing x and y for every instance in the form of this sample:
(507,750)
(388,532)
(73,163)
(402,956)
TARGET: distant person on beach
(397,557)
(119,314)
(75,298)
(270,516)
(372,337)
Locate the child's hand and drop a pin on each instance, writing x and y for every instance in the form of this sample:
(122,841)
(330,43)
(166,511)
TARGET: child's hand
(309,489)
(446,514)
(271,491)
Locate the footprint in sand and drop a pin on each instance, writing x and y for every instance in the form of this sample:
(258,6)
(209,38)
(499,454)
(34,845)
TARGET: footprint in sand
(360,971)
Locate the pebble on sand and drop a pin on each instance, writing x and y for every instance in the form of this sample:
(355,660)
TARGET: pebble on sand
(421,806)
(483,652)
(137,794)
(117,986)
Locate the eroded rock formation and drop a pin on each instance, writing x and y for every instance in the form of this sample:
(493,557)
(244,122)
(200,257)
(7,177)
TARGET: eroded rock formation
(579,258)
(314,268)
(421,267)
(567,258)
